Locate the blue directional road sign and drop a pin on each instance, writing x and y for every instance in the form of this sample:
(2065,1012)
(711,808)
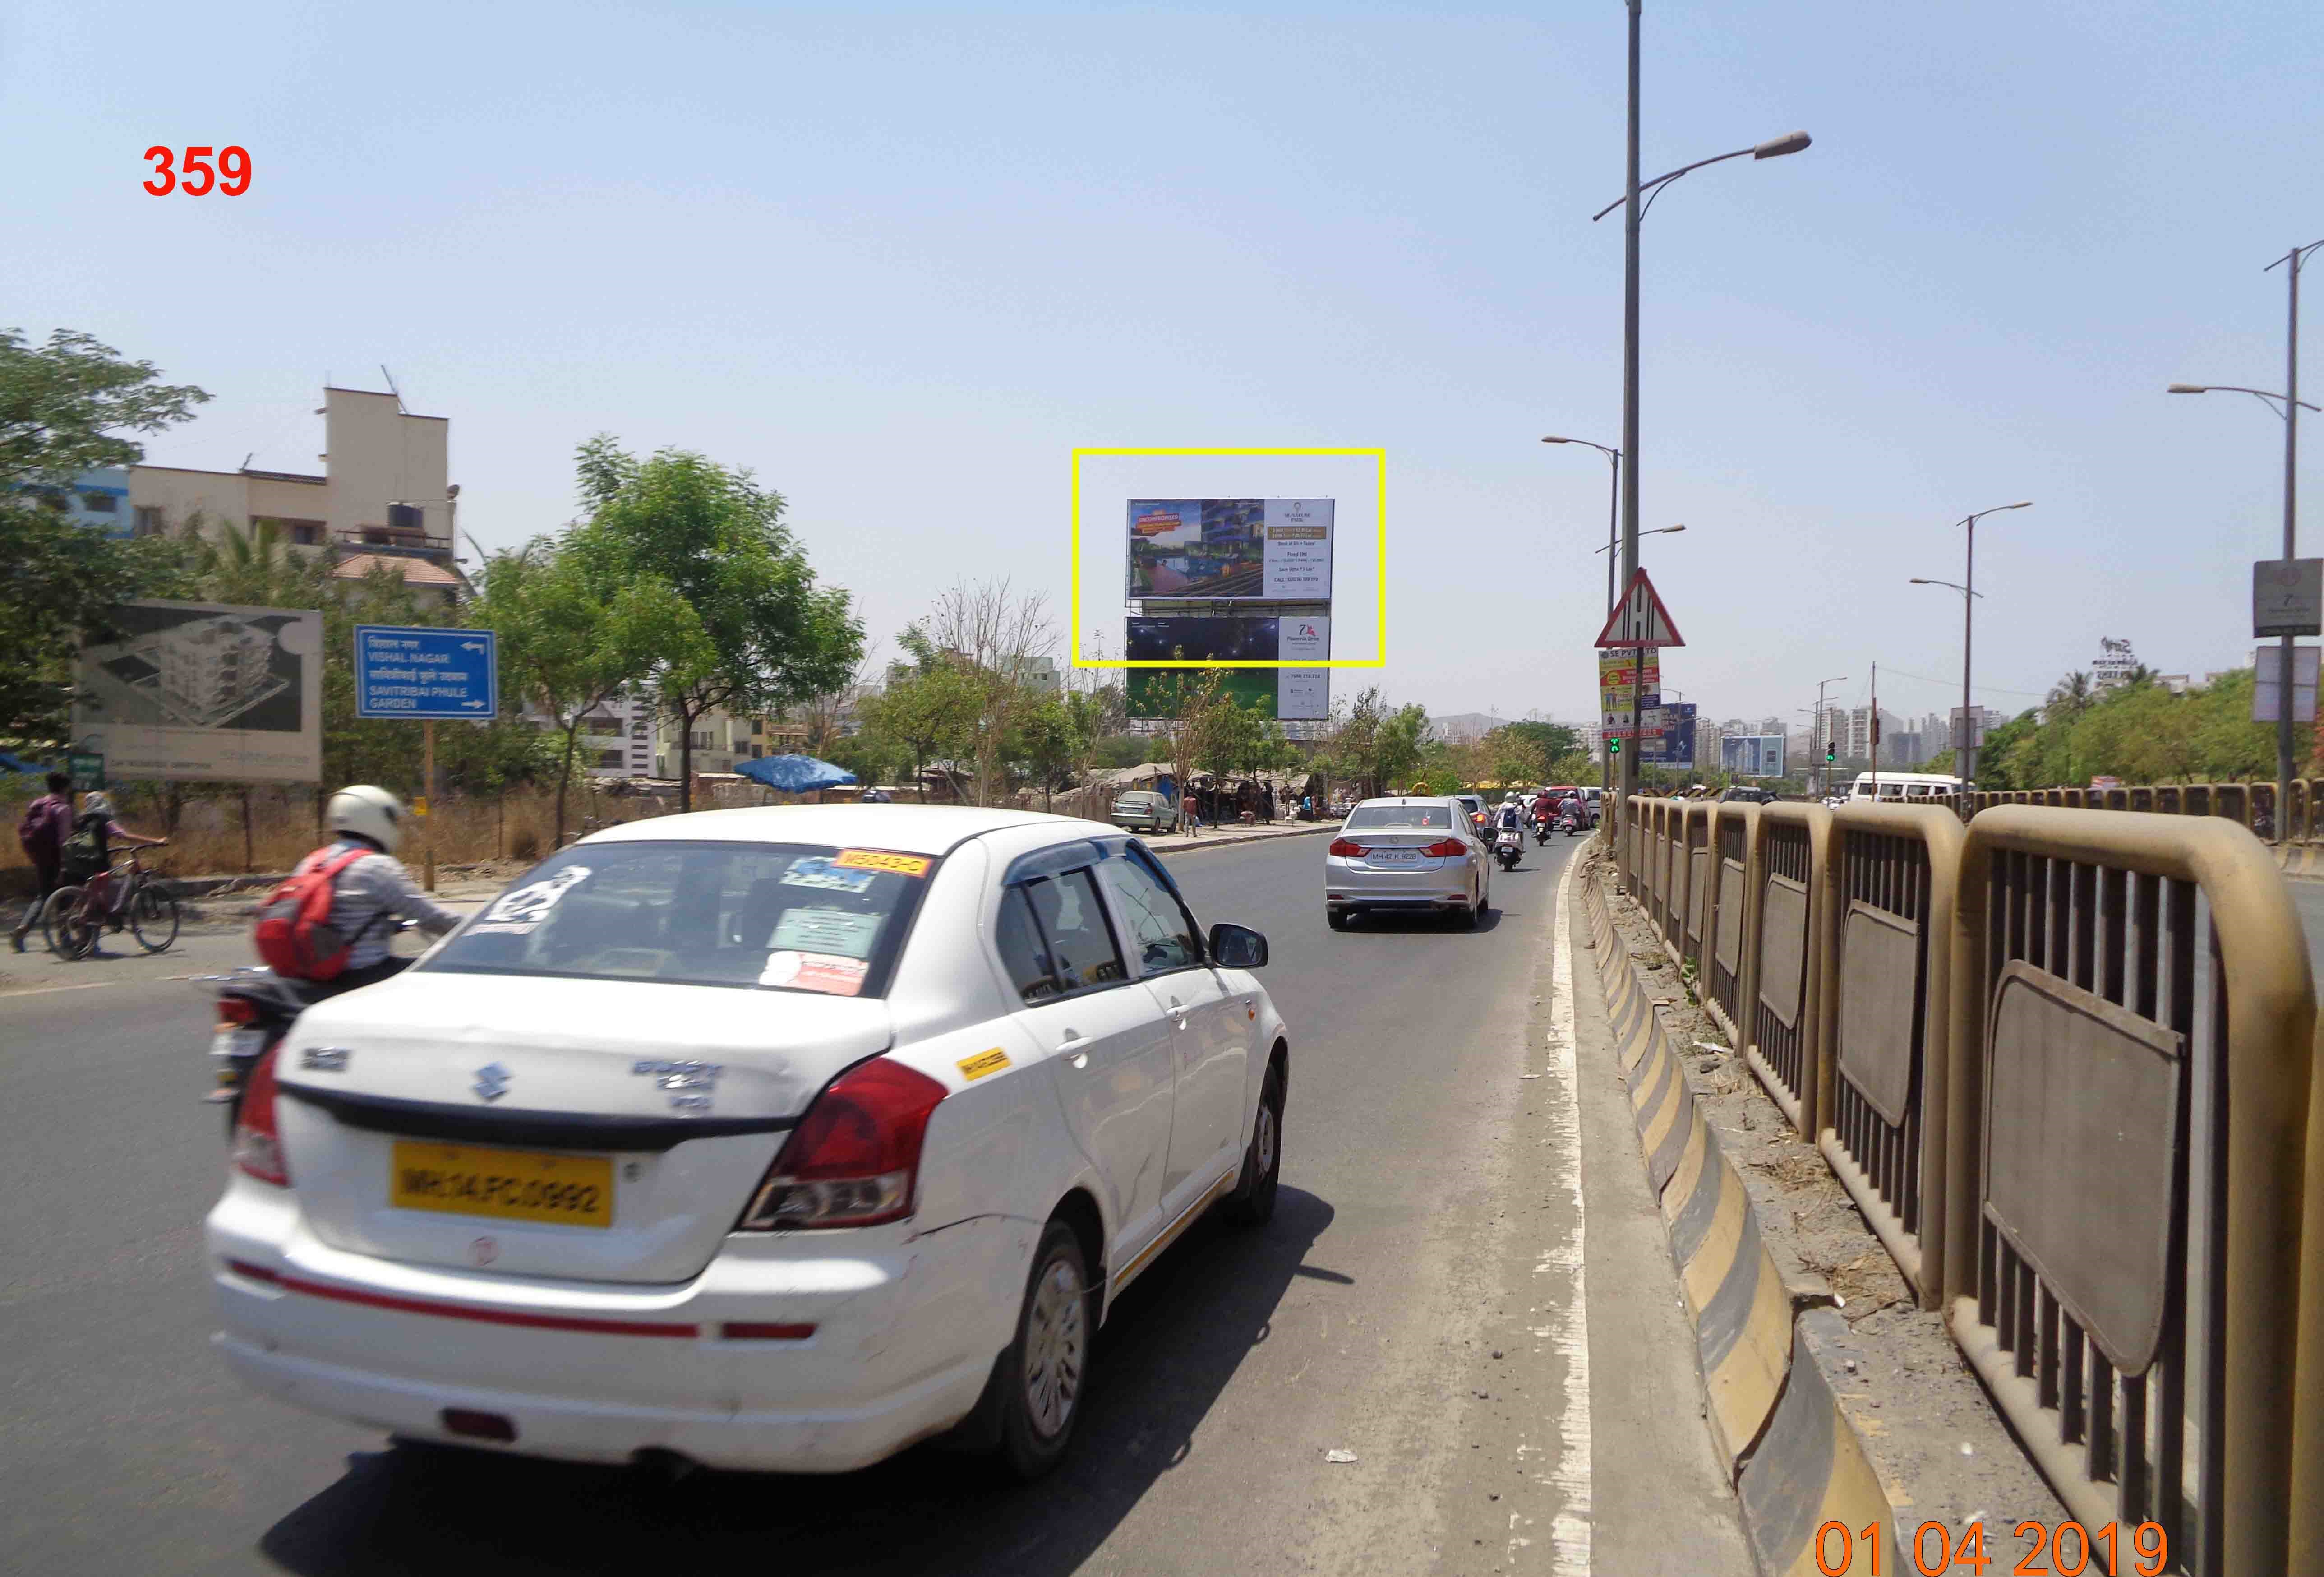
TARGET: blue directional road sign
(423,673)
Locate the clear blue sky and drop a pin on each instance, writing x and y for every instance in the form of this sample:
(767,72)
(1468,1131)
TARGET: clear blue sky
(902,260)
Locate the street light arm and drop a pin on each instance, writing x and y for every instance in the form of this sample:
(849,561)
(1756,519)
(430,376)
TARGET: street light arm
(2268,397)
(1773,148)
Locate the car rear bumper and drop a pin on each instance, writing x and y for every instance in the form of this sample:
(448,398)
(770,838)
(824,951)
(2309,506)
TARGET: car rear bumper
(571,1428)
(903,1337)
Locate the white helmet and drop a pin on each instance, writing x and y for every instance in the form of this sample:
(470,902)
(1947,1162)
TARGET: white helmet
(94,803)
(368,812)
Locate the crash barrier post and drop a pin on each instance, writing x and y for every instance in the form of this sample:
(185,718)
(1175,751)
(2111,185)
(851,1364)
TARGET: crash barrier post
(1731,929)
(1652,822)
(2056,797)
(1634,846)
(1699,821)
(2117,800)
(2139,798)
(2195,799)
(2169,800)
(1679,871)
(1783,975)
(1888,887)
(2234,801)
(2129,1094)
(2080,798)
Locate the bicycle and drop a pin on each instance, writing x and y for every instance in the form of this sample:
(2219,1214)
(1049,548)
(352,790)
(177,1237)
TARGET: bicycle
(76,917)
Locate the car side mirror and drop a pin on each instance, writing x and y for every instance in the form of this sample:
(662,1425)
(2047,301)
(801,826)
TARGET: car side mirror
(1237,948)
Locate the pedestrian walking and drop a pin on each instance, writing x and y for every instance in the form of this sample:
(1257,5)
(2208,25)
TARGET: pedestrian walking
(46,822)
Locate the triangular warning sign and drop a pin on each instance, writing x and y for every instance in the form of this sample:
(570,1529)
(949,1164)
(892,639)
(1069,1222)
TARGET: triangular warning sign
(1639,619)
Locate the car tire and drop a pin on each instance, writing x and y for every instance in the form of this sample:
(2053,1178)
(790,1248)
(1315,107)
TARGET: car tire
(1468,915)
(1252,1202)
(1337,919)
(1045,1373)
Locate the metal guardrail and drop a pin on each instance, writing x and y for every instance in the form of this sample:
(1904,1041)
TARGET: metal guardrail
(1677,874)
(2133,1024)
(2061,1061)
(1734,872)
(1783,971)
(1888,888)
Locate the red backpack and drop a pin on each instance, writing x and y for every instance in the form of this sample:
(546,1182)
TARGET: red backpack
(292,930)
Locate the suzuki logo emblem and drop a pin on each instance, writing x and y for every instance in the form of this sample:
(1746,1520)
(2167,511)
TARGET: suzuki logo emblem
(492,1081)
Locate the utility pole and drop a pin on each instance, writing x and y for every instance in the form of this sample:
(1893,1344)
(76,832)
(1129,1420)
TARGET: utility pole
(2290,263)
(1629,473)
(1876,733)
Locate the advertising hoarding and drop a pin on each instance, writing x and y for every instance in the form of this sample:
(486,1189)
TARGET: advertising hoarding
(1259,549)
(1666,735)
(1752,755)
(199,692)
(1282,694)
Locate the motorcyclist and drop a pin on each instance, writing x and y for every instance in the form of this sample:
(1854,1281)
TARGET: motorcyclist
(373,892)
(1574,807)
(1511,817)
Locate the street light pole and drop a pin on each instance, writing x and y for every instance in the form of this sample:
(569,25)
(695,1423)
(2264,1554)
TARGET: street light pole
(1613,514)
(1965,747)
(1816,734)
(1629,776)
(2288,405)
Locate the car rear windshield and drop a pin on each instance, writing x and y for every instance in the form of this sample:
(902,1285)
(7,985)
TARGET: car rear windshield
(1391,815)
(774,916)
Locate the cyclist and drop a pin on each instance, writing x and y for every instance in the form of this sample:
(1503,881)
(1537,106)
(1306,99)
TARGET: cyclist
(372,893)
(88,851)
(47,822)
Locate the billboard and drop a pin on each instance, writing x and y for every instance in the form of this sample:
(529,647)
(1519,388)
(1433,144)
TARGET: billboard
(1752,755)
(1666,735)
(1282,694)
(205,692)
(1261,550)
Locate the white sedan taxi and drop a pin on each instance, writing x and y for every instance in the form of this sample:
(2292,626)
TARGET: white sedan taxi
(775,1138)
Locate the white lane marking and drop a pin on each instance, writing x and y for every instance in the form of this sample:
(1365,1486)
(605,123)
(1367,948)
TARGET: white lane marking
(44,990)
(1570,1529)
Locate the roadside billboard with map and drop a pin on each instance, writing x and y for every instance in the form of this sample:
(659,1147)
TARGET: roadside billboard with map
(205,692)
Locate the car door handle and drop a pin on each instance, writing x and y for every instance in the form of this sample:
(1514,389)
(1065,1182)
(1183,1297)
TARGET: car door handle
(1074,1049)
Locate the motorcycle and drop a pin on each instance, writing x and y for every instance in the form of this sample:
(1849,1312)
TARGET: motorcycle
(1541,827)
(1571,823)
(255,1009)
(1508,847)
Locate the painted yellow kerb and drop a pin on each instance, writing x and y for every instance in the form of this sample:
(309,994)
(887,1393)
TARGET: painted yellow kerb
(1380,464)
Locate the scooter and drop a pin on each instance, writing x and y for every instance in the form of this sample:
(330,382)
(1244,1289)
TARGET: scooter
(1571,823)
(1541,827)
(255,1009)
(1508,847)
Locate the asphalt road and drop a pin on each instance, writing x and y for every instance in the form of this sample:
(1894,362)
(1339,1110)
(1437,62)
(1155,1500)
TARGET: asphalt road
(1418,1301)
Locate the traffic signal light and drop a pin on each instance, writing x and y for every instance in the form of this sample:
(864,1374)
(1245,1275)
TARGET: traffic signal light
(1830,753)
(1615,746)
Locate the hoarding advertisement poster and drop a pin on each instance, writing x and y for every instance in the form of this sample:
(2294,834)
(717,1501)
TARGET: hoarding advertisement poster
(1282,694)
(1752,755)
(1273,550)
(1666,735)
(199,692)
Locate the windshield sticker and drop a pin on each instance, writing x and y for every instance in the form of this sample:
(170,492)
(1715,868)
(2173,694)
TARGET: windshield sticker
(815,972)
(840,931)
(516,913)
(876,860)
(817,870)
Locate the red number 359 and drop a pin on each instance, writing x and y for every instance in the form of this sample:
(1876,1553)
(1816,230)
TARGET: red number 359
(231,176)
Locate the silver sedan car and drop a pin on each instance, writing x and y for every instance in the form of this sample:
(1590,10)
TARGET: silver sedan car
(1413,854)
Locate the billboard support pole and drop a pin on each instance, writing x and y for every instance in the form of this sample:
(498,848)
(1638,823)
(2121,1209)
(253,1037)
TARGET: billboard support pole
(428,796)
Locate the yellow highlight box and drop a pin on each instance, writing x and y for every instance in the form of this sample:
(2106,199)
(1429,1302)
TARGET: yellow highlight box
(1380,462)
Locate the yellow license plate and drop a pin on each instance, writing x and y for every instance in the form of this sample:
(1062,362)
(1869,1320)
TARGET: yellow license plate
(507,1184)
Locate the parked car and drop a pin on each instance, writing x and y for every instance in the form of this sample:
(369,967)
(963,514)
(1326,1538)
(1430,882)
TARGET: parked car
(775,1138)
(1473,804)
(1407,855)
(1143,810)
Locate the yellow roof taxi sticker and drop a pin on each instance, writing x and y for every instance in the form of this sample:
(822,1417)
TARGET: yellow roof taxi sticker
(973,1069)
(879,860)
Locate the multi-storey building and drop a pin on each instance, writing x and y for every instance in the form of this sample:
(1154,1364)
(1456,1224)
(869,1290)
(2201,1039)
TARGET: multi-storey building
(383,496)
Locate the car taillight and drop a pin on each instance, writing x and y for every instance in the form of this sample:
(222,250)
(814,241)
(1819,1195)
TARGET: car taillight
(236,1012)
(854,1158)
(1346,849)
(257,1143)
(1444,849)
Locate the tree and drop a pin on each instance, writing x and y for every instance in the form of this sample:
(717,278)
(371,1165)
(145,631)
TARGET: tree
(63,408)
(925,712)
(771,636)
(569,644)
(997,637)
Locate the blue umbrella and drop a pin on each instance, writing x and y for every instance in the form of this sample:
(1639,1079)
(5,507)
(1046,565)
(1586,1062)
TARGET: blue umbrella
(796,774)
(9,763)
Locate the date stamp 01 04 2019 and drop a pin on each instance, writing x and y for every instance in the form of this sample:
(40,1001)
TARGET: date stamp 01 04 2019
(2067,1549)
(191,171)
